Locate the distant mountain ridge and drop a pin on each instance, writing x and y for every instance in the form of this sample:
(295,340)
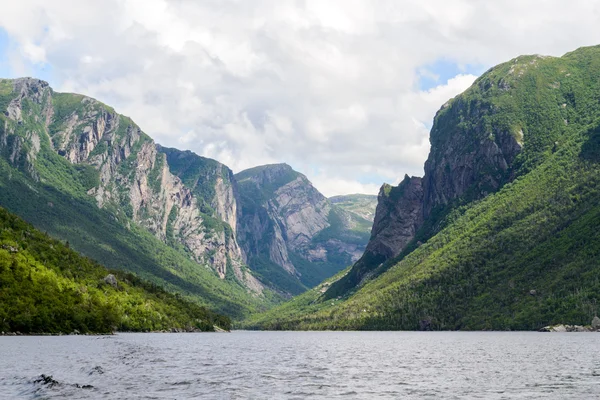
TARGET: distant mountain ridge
(363,205)
(288,224)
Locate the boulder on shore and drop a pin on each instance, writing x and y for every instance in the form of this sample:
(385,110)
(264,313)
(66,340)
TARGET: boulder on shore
(594,327)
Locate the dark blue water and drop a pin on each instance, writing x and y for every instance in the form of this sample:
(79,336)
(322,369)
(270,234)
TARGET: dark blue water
(300,365)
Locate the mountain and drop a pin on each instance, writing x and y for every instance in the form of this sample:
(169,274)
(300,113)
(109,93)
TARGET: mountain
(78,170)
(45,287)
(501,232)
(363,205)
(215,189)
(292,236)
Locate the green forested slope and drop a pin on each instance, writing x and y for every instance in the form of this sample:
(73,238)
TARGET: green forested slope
(521,258)
(47,287)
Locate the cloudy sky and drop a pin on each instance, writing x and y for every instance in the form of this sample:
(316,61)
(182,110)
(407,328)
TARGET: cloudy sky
(344,91)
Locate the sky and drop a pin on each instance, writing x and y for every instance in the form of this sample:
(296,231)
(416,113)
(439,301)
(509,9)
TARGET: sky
(343,91)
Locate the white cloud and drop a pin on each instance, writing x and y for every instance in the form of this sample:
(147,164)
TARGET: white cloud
(331,87)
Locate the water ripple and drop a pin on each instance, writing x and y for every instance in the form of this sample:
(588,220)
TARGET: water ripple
(300,365)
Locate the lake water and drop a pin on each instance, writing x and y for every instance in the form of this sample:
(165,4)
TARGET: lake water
(299,365)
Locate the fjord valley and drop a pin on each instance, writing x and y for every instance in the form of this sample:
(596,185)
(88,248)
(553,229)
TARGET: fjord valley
(84,174)
(501,232)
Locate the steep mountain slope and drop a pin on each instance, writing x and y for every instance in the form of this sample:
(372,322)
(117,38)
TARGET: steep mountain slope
(363,205)
(75,168)
(291,235)
(46,287)
(215,189)
(501,233)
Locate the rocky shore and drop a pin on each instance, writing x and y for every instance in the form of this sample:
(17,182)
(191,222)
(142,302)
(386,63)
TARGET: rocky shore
(594,327)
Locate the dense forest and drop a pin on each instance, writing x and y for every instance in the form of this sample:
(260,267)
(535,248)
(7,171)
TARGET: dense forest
(47,287)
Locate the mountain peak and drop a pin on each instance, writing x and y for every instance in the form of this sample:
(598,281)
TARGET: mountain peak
(271,175)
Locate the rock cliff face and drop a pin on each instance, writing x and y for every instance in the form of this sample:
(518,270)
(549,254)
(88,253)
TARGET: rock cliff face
(285,223)
(132,177)
(473,153)
(212,183)
(17,143)
(398,217)
(213,186)
(468,160)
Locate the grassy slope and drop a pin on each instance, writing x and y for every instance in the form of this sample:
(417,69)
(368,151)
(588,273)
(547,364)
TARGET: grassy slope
(522,258)
(47,287)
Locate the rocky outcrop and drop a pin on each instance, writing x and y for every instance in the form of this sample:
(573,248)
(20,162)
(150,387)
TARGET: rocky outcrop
(301,210)
(211,182)
(594,327)
(398,217)
(472,155)
(27,101)
(111,280)
(212,186)
(471,159)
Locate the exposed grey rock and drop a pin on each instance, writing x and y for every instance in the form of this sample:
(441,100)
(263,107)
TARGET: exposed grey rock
(11,249)
(596,323)
(453,172)
(22,148)
(566,328)
(111,280)
(458,155)
(282,213)
(287,218)
(208,183)
(399,214)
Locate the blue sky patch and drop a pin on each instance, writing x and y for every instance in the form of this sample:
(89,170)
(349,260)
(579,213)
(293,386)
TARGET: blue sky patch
(442,70)
(4,46)
(36,70)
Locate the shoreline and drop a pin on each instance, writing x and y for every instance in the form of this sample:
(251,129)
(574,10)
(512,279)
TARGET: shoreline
(549,329)
(77,333)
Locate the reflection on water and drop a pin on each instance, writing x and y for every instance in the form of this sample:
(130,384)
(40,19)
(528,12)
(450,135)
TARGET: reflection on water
(297,365)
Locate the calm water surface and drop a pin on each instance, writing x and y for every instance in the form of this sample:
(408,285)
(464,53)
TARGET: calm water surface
(299,365)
